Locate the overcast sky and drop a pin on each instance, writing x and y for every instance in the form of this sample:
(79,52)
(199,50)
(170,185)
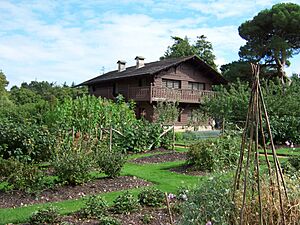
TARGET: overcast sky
(74,40)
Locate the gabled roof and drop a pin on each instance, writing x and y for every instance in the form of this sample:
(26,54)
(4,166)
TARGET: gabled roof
(154,68)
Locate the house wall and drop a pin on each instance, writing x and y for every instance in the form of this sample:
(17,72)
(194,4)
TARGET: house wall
(185,72)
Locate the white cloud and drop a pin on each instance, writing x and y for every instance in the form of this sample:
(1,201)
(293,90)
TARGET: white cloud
(69,49)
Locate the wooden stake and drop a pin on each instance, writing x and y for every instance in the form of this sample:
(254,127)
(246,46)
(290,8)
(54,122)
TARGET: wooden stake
(169,209)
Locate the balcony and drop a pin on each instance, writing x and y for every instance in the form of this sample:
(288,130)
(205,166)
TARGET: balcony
(155,94)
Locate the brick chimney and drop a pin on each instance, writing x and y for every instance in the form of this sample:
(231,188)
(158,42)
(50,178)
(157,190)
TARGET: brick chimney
(139,61)
(121,65)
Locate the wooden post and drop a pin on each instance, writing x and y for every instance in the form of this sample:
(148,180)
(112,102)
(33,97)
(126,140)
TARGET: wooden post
(150,93)
(173,147)
(110,138)
(169,209)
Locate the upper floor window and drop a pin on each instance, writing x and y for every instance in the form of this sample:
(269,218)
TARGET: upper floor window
(196,86)
(176,84)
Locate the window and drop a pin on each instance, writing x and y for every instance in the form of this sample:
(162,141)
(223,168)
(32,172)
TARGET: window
(196,86)
(176,84)
(142,82)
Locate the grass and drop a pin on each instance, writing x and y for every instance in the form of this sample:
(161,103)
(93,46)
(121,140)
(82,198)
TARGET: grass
(285,151)
(158,174)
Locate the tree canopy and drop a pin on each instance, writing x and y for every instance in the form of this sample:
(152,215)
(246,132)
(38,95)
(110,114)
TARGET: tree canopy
(272,37)
(183,47)
(3,83)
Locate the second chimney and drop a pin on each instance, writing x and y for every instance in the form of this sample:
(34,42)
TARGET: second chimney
(121,65)
(139,61)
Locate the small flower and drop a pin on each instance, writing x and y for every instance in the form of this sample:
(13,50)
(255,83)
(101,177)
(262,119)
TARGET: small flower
(208,223)
(171,196)
(184,197)
(292,145)
(287,143)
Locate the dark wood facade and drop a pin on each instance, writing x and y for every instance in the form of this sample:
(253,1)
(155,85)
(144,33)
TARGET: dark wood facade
(187,82)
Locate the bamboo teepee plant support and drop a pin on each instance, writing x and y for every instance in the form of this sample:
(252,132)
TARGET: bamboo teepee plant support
(248,176)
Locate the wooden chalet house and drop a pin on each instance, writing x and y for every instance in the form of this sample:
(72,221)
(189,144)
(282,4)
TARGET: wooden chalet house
(186,80)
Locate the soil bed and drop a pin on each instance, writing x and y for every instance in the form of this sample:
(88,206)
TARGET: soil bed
(188,170)
(151,216)
(60,193)
(160,158)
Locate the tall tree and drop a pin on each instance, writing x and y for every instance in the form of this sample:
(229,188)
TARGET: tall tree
(3,83)
(182,47)
(204,50)
(273,36)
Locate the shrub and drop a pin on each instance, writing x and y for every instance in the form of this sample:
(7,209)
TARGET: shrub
(110,161)
(95,207)
(45,216)
(22,176)
(292,165)
(210,201)
(151,197)
(109,221)
(125,203)
(214,154)
(24,141)
(73,160)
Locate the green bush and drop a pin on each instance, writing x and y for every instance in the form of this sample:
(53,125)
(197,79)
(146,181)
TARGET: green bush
(151,197)
(73,160)
(110,161)
(292,165)
(21,176)
(125,203)
(45,216)
(210,201)
(215,154)
(109,221)
(25,141)
(95,207)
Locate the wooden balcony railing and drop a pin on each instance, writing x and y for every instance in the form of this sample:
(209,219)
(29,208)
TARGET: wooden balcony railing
(179,95)
(154,94)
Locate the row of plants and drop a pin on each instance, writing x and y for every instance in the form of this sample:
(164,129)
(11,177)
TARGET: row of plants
(78,136)
(96,207)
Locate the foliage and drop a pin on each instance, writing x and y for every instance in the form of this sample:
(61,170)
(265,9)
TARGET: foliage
(25,141)
(198,118)
(110,161)
(125,203)
(215,154)
(95,207)
(21,176)
(283,106)
(3,83)
(272,36)
(182,47)
(45,216)
(241,71)
(210,201)
(166,112)
(292,165)
(88,115)
(73,159)
(109,221)
(151,197)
